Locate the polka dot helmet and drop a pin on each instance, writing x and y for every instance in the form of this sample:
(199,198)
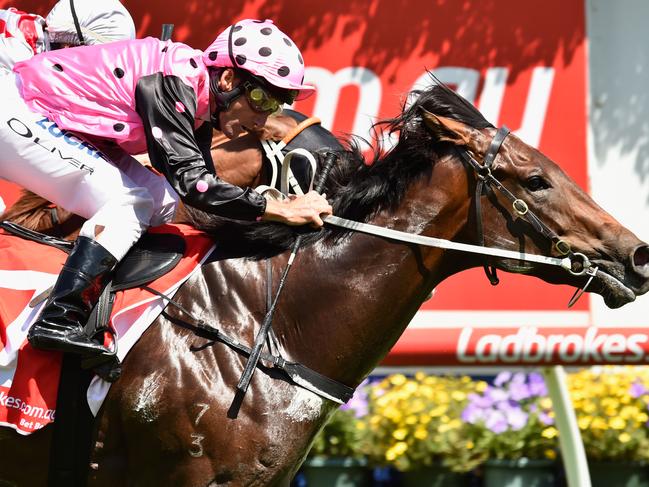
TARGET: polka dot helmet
(259,47)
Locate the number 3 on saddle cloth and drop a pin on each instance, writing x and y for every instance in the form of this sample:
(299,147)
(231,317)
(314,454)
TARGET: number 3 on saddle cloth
(297,173)
(29,379)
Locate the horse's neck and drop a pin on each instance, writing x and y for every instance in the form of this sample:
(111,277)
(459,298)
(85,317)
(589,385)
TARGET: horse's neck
(350,301)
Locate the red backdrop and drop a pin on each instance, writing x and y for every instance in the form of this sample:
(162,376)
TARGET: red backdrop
(522,63)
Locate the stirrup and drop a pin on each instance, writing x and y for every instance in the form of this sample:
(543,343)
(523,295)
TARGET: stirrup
(106,366)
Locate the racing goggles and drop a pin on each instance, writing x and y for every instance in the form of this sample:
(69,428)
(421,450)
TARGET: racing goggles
(260,100)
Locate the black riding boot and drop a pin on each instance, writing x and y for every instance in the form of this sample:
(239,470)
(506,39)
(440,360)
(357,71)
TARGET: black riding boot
(60,327)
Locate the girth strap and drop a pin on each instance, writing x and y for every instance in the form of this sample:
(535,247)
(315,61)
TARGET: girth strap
(297,373)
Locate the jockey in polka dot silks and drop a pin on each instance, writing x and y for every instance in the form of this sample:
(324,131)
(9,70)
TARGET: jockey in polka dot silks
(128,97)
(69,23)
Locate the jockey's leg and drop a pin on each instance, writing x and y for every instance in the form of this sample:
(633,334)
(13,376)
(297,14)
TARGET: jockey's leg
(104,239)
(165,198)
(59,166)
(60,325)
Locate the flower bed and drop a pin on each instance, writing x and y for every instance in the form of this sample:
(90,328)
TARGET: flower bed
(410,423)
(611,405)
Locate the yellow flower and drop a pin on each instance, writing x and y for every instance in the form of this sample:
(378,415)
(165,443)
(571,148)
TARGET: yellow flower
(383,401)
(469,445)
(584,422)
(438,411)
(624,437)
(392,413)
(411,387)
(481,386)
(458,395)
(629,412)
(417,405)
(398,379)
(549,432)
(400,433)
(426,391)
(546,403)
(442,397)
(617,423)
(431,380)
(411,419)
(421,433)
(400,448)
(397,450)
(598,424)
(361,426)
(550,454)
(424,418)
(589,408)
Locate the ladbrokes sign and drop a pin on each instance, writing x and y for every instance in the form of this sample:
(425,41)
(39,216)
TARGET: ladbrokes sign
(525,345)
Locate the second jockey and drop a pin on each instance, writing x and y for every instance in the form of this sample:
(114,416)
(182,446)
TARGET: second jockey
(136,96)
(69,23)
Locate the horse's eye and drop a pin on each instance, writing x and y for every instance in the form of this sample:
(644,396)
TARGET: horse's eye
(536,183)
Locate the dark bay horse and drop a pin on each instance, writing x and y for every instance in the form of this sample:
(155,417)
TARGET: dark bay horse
(168,420)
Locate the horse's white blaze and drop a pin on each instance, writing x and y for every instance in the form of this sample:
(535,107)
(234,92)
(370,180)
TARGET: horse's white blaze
(148,397)
(305,406)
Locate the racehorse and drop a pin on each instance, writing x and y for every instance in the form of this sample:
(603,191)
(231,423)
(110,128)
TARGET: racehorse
(170,419)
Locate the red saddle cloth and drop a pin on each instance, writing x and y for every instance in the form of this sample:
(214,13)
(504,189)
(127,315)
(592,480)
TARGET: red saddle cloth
(29,378)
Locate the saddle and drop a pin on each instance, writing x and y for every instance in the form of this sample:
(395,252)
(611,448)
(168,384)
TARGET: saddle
(153,256)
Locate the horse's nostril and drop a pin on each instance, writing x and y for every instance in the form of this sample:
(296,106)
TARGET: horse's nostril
(641,259)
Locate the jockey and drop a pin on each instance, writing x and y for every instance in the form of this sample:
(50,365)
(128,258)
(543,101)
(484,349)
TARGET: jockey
(133,96)
(23,35)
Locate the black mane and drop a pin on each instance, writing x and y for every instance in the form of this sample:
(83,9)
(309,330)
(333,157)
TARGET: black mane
(357,190)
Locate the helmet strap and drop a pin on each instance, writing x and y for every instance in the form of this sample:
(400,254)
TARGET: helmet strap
(223,98)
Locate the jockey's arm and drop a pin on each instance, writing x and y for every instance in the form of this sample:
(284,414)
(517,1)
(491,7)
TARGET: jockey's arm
(175,152)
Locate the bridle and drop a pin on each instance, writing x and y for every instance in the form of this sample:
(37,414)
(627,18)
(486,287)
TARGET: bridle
(487,181)
(575,263)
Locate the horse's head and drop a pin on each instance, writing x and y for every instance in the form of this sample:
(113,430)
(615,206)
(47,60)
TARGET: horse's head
(574,221)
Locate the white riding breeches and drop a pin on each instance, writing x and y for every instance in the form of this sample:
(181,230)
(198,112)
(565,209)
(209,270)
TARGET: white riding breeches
(119,199)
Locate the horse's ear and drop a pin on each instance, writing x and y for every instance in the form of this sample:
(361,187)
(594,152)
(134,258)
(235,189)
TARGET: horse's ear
(446,129)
